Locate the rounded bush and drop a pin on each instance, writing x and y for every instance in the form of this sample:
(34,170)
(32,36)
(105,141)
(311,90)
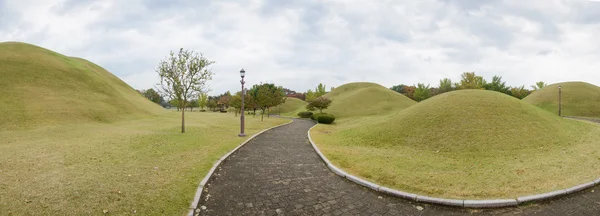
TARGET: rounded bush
(305,114)
(325,118)
(316,116)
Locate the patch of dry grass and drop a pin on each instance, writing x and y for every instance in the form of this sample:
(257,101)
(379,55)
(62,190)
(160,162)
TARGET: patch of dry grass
(144,166)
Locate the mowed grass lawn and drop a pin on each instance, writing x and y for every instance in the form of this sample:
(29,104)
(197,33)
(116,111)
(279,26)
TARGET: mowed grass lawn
(143,167)
(465,145)
(487,174)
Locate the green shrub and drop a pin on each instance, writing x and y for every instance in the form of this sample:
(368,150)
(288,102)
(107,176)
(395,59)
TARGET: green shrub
(305,114)
(316,116)
(325,118)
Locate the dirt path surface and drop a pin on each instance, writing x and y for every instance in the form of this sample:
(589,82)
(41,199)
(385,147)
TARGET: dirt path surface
(278,173)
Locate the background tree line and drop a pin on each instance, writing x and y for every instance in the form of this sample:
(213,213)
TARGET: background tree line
(469,80)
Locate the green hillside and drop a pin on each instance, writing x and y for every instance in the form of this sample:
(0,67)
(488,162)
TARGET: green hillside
(364,99)
(465,144)
(578,99)
(289,107)
(42,87)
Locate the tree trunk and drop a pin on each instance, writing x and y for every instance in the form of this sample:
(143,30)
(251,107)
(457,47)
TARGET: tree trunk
(268,112)
(262,115)
(236,113)
(182,121)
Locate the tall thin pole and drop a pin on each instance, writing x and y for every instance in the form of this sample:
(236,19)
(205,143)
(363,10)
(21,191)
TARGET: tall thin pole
(242,116)
(559,100)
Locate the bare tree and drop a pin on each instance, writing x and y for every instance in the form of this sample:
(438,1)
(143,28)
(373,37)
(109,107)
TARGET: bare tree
(182,76)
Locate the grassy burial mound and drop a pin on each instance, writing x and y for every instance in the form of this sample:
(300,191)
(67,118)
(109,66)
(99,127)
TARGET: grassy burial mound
(42,87)
(291,106)
(143,165)
(466,144)
(364,99)
(578,99)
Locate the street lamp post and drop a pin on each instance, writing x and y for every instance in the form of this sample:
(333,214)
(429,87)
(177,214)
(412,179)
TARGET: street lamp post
(242,74)
(559,100)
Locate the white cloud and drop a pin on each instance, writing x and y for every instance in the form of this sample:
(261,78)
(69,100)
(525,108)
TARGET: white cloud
(298,44)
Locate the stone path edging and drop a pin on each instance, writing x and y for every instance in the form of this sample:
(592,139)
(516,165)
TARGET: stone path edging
(200,188)
(450,202)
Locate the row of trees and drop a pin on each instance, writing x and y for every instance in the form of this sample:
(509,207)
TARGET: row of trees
(261,97)
(308,96)
(469,80)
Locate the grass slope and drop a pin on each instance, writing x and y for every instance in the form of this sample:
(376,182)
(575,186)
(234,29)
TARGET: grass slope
(144,165)
(578,99)
(466,144)
(363,99)
(290,106)
(42,87)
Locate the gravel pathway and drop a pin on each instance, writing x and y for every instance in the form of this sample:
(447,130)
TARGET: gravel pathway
(278,173)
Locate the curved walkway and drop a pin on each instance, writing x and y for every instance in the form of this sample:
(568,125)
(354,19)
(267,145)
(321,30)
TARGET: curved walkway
(279,173)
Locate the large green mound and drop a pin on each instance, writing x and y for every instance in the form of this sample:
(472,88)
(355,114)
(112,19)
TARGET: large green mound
(364,99)
(42,87)
(291,105)
(467,144)
(469,120)
(578,99)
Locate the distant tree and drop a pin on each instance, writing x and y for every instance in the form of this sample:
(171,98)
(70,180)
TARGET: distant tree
(320,90)
(519,92)
(310,95)
(445,85)
(266,96)
(250,103)
(497,85)
(471,81)
(276,97)
(224,100)
(182,76)
(421,92)
(174,103)
(236,102)
(191,104)
(288,91)
(164,103)
(319,103)
(212,105)
(539,85)
(202,100)
(300,96)
(152,95)
(263,99)
(398,88)
(409,91)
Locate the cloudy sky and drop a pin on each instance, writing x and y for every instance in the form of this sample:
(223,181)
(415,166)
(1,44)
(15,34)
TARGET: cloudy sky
(299,43)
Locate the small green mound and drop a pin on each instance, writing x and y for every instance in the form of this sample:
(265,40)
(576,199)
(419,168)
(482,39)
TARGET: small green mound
(578,99)
(42,87)
(290,106)
(364,99)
